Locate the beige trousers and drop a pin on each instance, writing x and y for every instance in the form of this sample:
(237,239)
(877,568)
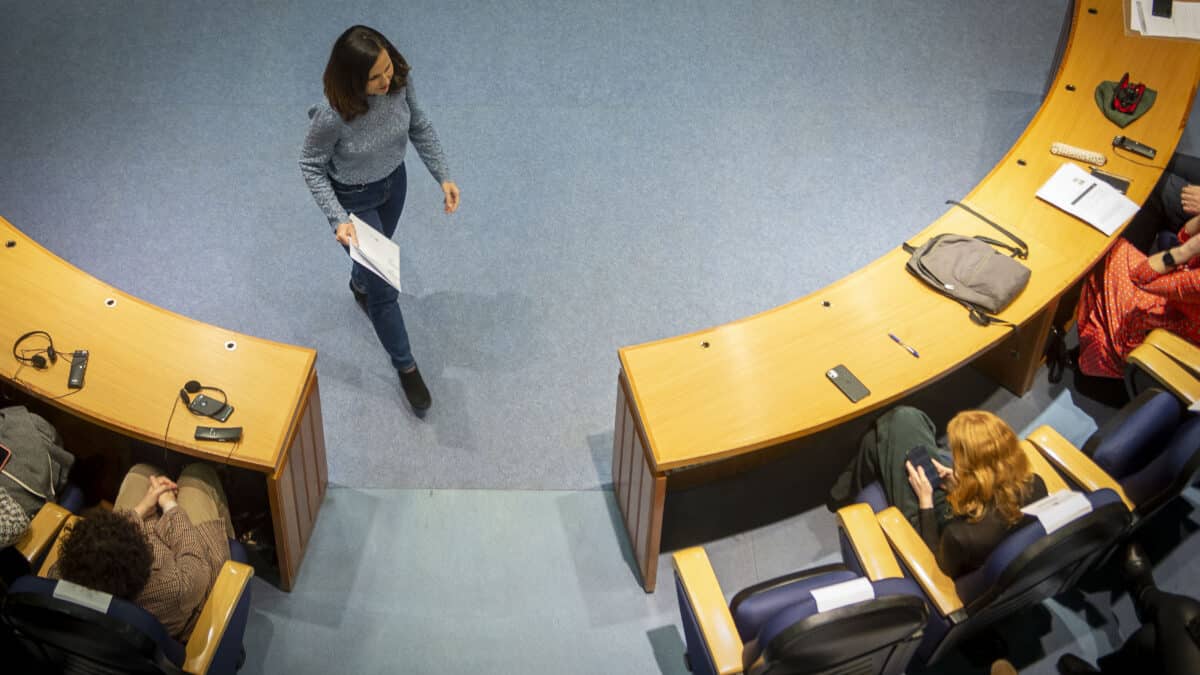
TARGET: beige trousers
(200,494)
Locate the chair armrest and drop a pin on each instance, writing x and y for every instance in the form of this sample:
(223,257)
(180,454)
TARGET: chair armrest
(1166,370)
(717,629)
(919,560)
(1078,466)
(218,609)
(869,543)
(42,532)
(52,556)
(1042,467)
(1186,353)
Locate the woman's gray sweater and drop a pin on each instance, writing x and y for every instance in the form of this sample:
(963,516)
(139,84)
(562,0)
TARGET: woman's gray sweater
(366,149)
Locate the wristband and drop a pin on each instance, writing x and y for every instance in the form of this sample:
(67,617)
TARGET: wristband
(1168,259)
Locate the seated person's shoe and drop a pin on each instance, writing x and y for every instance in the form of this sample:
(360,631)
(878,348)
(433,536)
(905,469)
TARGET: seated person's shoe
(359,296)
(1069,664)
(1138,574)
(415,390)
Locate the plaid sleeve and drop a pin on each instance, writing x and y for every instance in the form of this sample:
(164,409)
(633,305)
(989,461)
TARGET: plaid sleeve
(13,521)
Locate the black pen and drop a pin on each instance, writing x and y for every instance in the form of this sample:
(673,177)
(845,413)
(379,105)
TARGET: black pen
(901,343)
(1083,194)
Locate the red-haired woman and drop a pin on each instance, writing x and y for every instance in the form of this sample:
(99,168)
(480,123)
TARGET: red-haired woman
(353,162)
(979,500)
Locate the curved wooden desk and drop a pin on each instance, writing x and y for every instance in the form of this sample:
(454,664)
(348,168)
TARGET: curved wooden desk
(754,383)
(140,357)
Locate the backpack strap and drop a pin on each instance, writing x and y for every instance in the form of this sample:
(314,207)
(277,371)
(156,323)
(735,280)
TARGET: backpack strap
(1022,250)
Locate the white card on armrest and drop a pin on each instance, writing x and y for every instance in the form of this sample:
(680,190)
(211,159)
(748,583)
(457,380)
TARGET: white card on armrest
(1195,407)
(1056,510)
(845,593)
(82,595)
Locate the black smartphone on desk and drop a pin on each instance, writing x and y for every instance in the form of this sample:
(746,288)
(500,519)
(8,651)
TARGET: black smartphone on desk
(210,407)
(849,385)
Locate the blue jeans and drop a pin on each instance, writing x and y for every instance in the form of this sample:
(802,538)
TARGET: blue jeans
(379,205)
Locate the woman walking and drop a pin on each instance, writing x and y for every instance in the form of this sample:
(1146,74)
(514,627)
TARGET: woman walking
(353,162)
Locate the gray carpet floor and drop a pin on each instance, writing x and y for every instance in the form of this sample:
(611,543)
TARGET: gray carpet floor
(630,171)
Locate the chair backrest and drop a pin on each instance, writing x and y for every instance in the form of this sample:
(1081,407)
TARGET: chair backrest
(1168,474)
(874,630)
(62,635)
(1134,436)
(872,636)
(1028,567)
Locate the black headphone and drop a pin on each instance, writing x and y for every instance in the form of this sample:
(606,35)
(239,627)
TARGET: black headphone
(42,358)
(192,387)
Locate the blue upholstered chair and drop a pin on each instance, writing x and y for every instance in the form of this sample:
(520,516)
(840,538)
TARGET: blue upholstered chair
(823,620)
(1029,566)
(62,627)
(1148,453)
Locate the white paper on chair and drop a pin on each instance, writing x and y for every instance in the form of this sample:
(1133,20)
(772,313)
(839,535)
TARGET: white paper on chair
(376,252)
(1088,198)
(82,595)
(845,593)
(1195,407)
(1059,509)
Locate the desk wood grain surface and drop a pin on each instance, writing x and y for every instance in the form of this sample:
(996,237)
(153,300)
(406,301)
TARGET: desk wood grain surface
(761,380)
(140,357)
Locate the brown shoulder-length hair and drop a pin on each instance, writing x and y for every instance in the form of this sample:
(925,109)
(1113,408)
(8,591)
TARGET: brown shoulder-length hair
(350,62)
(990,469)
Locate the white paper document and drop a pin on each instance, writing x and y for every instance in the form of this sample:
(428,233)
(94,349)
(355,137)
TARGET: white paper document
(845,593)
(1184,21)
(376,252)
(1058,509)
(1195,407)
(1088,198)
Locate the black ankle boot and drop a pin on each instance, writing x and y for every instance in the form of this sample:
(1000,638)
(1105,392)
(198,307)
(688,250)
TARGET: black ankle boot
(415,390)
(1138,574)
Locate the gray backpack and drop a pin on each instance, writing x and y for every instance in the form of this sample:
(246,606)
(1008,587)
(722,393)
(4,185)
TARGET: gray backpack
(971,271)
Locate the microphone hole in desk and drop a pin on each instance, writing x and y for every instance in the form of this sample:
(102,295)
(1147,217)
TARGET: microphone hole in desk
(704,345)
(825,303)
(231,345)
(10,243)
(1020,162)
(1070,87)
(1093,10)
(110,302)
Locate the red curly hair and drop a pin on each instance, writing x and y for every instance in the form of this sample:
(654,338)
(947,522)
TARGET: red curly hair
(990,468)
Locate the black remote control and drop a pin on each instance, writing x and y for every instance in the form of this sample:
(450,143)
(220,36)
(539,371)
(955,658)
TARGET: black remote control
(78,367)
(224,434)
(1126,143)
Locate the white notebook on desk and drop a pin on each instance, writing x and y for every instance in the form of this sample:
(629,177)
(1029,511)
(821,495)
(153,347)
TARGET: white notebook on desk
(1088,198)
(1184,21)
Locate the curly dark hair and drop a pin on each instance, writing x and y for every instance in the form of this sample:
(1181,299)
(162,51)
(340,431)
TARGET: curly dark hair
(107,552)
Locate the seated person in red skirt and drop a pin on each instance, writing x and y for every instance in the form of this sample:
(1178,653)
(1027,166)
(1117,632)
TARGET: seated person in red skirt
(1131,294)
